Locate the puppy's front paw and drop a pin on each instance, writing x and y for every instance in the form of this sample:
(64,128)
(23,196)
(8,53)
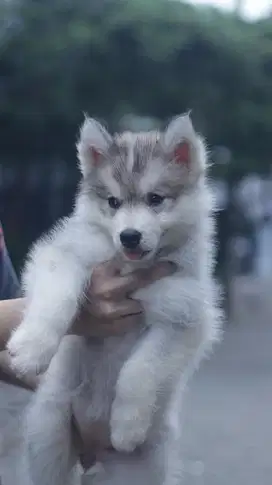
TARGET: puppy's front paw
(129,425)
(31,351)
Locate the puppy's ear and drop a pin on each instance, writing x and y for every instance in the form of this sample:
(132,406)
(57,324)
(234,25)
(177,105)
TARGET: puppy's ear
(93,145)
(183,146)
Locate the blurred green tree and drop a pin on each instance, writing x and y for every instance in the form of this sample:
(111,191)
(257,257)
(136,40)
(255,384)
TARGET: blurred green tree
(151,57)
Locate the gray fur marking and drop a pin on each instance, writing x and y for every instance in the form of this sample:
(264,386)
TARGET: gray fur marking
(144,148)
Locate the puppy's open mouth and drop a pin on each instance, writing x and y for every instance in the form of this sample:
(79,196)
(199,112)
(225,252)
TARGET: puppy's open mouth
(135,254)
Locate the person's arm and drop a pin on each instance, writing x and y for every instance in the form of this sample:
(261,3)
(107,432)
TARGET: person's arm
(11,308)
(10,317)
(109,312)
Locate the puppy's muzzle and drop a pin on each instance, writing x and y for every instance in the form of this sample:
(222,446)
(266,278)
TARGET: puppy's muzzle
(130,239)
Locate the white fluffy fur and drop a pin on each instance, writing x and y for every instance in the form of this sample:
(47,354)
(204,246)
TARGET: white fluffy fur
(133,382)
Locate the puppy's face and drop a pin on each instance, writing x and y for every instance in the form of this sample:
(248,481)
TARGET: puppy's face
(143,185)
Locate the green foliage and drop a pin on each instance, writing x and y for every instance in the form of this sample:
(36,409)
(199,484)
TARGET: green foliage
(60,58)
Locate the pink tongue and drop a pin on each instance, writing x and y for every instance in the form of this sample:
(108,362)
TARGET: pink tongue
(133,255)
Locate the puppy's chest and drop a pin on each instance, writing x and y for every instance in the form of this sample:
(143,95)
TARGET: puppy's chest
(106,358)
(101,365)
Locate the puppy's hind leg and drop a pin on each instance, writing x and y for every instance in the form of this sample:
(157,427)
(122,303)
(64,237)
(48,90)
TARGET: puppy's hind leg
(173,425)
(49,451)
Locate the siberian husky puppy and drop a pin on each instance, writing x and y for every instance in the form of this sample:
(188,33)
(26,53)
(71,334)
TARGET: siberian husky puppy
(143,197)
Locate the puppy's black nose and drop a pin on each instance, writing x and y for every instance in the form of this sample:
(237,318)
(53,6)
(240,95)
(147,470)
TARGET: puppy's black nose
(130,238)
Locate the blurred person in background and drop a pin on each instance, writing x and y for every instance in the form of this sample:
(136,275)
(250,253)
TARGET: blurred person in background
(9,285)
(264,258)
(250,216)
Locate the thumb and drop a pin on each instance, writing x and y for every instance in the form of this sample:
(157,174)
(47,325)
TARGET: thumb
(161,270)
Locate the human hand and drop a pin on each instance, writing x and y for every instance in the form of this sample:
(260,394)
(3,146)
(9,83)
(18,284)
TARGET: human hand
(109,310)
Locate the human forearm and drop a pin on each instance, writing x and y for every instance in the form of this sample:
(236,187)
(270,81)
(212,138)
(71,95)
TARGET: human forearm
(10,317)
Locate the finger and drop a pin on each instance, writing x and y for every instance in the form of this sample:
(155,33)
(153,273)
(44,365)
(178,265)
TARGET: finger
(125,324)
(105,270)
(111,310)
(120,286)
(160,270)
(117,327)
(88,326)
(141,278)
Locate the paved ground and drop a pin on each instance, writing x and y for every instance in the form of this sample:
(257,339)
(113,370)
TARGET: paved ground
(228,411)
(228,426)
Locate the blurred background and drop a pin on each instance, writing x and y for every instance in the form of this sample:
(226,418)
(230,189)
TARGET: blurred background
(134,64)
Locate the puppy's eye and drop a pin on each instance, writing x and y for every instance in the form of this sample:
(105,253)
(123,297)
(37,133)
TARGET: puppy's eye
(154,200)
(114,203)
